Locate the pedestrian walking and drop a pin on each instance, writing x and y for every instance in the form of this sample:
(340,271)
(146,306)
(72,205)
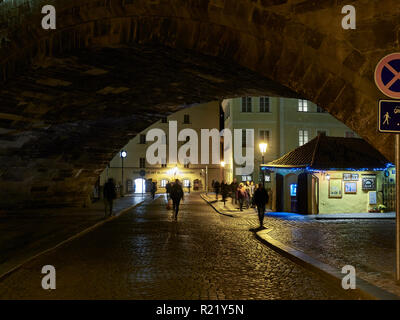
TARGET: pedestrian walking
(153,189)
(189,185)
(247,189)
(252,189)
(109,194)
(261,199)
(176,196)
(234,187)
(224,191)
(241,195)
(217,187)
(168,189)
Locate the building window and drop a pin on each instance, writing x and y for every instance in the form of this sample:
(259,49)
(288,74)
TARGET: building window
(142,162)
(186,119)
(247,178)
(303,137)
(244,144)
(320,110)
(349,134)
(303,106)
(164,120)
(186,164)
(264,104)
(264,136)
(142,139)
(227,112)
(246,104)
(186,183)
(164,183)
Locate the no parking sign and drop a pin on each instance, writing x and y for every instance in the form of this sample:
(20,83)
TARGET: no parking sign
(387,75)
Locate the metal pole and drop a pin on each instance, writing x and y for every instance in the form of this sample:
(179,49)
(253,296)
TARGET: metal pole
(122,178)
(263,173)
(206,179)
(398,207)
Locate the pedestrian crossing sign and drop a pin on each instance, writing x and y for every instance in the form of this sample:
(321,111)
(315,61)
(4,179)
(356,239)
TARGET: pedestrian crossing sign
(389,116)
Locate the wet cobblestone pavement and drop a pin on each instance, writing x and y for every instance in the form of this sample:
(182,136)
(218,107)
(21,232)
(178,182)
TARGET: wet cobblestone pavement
(146,255)
(366,244)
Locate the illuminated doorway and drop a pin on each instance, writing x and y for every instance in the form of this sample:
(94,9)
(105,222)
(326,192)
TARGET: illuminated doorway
(140,185)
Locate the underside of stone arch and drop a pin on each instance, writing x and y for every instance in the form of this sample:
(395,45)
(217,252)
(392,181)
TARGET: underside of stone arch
(72,97)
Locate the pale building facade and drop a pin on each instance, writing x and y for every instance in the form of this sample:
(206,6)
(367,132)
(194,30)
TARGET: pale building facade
(283,123)
(138,172)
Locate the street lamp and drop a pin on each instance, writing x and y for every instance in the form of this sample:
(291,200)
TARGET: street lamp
(263,148)
(123,155)
(222,170)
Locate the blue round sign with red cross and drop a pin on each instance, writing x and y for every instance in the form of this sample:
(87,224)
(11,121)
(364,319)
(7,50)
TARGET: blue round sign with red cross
(387,75)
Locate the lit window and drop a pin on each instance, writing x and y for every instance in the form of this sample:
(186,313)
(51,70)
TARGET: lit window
(303,137)
(303,106)
(246,104)
(264,136)
(186,182)
(164,183)
(247,178)
(264,104)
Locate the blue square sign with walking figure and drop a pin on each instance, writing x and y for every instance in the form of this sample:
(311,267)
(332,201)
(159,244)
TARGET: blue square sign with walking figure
(389,116)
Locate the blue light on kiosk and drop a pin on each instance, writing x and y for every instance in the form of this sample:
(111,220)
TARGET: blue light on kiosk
(293,189)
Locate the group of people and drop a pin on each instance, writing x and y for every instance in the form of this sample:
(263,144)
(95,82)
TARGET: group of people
(247,194)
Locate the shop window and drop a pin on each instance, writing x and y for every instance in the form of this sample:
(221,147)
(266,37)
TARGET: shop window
(164,183)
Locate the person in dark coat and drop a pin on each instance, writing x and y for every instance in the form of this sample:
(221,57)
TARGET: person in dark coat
(261,198)
(109,196)
(224,191)
(241,195)
(216,188)
(168,189)
(153,189)
(176,196)
(234,187)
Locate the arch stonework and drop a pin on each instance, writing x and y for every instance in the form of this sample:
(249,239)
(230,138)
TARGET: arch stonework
(72,97)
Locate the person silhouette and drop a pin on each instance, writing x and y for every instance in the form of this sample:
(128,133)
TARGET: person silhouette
(387,117)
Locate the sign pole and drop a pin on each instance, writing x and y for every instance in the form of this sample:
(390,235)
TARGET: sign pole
(398,207)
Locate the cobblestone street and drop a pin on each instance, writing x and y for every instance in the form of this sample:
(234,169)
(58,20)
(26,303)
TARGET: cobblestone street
(146,255)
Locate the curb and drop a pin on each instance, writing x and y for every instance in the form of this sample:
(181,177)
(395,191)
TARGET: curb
(79,234)
(212,206)
(365,290)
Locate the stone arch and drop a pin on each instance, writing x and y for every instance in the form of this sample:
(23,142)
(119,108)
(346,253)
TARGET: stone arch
(278,47)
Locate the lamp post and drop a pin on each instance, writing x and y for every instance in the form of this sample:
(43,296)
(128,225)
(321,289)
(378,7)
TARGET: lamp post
(263,148)
(123,155)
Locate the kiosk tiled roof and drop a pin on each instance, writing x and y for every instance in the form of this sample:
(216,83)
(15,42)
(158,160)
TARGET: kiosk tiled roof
(324,152)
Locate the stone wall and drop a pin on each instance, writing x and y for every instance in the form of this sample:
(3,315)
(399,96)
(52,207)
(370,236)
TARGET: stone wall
(73,96)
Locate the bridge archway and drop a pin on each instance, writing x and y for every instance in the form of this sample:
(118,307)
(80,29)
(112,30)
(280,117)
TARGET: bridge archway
(72,97)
